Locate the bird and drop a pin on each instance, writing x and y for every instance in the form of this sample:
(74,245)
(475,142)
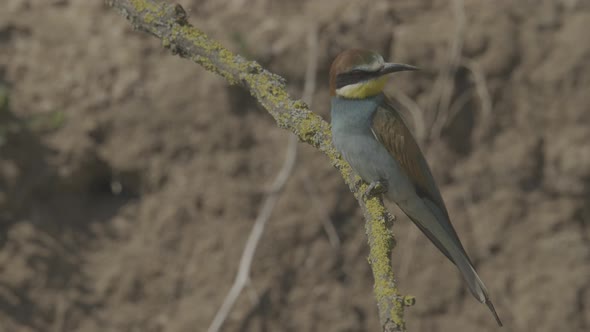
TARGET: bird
(373,137)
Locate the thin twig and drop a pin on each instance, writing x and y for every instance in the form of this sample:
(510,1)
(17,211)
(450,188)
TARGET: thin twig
(481,88)
(255,234)
(458,105)
(327,223)
(308,90)
(311,69)
(483,92)
(443,89)
(415,111)
(276,188)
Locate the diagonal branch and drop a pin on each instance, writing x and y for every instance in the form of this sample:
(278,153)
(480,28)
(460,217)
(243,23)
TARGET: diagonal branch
(168,22)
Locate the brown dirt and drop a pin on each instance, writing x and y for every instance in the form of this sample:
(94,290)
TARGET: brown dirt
(96,107)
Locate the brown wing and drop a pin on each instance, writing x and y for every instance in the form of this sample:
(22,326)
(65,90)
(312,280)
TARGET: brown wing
(391,130)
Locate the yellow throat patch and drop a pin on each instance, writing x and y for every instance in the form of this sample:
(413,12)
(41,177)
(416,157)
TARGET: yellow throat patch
(362,90)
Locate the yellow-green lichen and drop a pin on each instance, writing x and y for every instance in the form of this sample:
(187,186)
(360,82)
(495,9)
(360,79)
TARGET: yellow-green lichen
(200,41)
(381,244)
(267,89)
(151,11)
(300,105)
(409,300)
(345,169)
(197,37)
(308,127)
(141,5)
(270,91)
(226,56)
(149,18)
(396,314)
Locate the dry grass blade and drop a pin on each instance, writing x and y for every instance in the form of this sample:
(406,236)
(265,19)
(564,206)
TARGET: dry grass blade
(415,112)
(276,188)
(444,85)
(483,92)
(254,237)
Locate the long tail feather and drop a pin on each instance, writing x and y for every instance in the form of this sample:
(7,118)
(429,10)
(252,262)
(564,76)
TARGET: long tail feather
(476,286)
(436,226)
(493,310)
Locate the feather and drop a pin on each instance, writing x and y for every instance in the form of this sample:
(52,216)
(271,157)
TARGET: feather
(391,130)
(428,212)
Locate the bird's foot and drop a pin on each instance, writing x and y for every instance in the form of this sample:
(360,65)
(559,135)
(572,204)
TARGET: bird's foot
(375,188)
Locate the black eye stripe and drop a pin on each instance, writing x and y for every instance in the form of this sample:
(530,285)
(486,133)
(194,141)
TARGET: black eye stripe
(355,76)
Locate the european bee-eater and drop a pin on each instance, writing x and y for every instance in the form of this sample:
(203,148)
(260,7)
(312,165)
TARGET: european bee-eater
(373,138)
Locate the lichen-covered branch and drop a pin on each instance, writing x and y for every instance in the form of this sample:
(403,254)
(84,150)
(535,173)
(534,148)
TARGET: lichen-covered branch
(168,22)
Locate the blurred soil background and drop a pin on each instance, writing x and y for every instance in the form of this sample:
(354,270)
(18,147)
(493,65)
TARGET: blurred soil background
(130,178)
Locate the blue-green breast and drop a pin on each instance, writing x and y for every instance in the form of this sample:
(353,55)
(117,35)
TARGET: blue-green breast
(353,138)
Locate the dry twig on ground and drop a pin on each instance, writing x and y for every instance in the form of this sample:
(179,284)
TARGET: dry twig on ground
(276,188)
(243,274)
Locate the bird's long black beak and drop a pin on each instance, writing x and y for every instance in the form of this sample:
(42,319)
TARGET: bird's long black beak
(395,67)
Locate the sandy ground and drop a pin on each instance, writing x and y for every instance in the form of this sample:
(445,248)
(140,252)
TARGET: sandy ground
(130,178)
